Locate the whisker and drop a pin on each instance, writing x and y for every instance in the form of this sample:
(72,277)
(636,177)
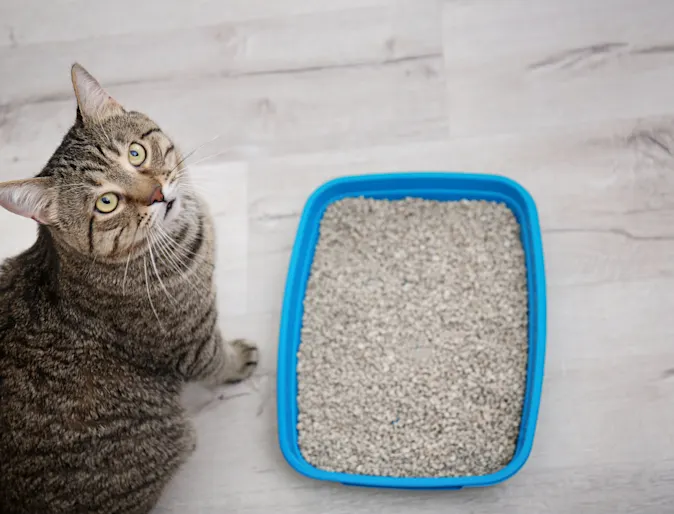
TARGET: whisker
(173,263)
(192,152)
(177,262)
(173,246)
(156,271)
(128,260)
(149,297)
(211,184)
(182,171)
(126,271)
(208,157)
(197,179)
(168,258)
(177,244)
(194,188)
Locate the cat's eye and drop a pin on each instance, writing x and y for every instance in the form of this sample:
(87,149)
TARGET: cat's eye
(137,154)
(107,203)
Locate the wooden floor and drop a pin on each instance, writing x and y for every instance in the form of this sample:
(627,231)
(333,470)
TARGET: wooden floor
(573,98)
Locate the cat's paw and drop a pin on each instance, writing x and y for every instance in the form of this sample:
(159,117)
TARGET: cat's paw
(244,356)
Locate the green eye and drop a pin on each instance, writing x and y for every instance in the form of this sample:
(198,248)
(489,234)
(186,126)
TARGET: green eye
(107,203)
(136,154)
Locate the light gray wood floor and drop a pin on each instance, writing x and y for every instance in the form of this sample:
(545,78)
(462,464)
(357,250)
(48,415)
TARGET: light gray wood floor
(573,98)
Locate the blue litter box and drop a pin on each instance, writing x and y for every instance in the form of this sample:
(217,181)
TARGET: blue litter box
(431,186)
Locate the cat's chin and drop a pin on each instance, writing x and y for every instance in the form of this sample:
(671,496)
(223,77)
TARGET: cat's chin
(171,211)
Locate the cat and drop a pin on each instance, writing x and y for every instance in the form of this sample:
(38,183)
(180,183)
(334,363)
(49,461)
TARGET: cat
(105,318)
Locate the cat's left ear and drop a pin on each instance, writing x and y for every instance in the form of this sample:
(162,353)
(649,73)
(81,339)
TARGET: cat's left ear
(93,102)
(32,198)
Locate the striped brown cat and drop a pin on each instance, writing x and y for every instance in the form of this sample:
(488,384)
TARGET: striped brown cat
(105,318)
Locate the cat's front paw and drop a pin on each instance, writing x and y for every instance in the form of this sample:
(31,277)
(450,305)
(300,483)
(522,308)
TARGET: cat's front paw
(243,358)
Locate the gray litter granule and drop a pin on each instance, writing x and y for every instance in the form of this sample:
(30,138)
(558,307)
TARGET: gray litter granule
(414,344)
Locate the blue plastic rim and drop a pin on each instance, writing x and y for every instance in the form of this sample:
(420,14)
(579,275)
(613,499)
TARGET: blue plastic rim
(394,186)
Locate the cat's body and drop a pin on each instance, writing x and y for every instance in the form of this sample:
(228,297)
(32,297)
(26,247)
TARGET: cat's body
(100,327)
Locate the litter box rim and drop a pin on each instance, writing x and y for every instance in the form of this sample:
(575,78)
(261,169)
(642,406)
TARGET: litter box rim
(446,186)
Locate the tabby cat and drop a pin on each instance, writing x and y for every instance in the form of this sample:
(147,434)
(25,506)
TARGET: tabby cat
(105,318)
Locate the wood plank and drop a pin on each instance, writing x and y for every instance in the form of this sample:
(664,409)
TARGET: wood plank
(280,43)
(67,20)
(524,65)
(267,114)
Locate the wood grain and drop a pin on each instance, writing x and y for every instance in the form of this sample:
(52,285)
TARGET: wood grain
(521,64)
(304,42)
(72,20)
(258,115)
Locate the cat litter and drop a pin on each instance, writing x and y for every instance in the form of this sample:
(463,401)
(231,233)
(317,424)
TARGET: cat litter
(414,339)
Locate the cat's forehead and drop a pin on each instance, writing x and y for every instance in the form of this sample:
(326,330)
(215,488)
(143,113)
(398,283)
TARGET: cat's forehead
(132,124)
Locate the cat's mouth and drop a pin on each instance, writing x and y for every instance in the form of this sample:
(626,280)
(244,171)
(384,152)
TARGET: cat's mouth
(171,209)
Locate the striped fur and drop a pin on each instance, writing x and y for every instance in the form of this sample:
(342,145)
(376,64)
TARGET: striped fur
(102,321)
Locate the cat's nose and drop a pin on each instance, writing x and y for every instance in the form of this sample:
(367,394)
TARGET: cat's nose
(156,195)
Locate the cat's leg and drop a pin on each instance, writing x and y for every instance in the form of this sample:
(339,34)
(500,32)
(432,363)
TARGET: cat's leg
(217,362)
(239,361)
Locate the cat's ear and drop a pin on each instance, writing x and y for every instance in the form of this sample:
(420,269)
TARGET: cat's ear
(93,102)
(32,198)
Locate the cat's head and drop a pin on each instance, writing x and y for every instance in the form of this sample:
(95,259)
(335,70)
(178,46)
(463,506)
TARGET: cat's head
(113,183)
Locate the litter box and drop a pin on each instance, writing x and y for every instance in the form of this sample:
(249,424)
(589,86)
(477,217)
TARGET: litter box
(395,186)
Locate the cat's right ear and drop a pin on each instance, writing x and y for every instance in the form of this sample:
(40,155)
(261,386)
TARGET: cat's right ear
(32,198)
(93,102)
